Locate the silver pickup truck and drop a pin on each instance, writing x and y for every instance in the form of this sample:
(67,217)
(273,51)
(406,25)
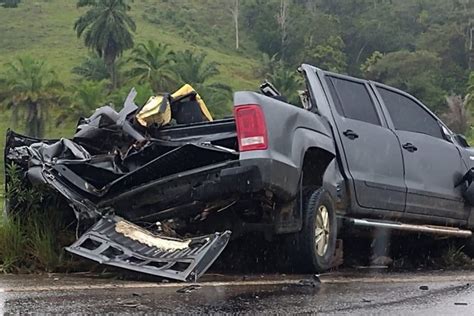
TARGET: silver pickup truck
(356,154)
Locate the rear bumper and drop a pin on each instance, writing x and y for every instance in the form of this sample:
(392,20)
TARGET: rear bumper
(240,180)
(207,184)
(253,175)
(277,176)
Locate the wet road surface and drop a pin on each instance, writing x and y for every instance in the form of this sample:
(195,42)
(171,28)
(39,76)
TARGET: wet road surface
(434,293)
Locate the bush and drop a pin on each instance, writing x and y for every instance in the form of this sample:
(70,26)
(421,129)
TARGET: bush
(12,244)
(33,232)
(454,258)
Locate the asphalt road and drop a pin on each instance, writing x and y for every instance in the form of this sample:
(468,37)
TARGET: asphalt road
(355,293)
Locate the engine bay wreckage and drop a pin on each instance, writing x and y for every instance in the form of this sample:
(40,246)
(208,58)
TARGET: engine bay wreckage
(145,178)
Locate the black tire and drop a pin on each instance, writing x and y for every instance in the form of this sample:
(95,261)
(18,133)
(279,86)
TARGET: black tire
(310,255)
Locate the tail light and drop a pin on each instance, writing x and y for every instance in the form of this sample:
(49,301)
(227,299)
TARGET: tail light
(251,127)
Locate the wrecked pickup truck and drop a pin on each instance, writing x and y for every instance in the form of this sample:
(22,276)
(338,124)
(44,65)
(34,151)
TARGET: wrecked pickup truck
(164,198)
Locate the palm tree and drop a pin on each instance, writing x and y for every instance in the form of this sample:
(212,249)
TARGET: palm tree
(268,64)
(32,90)
(92,68)
(287,82)
(84,99)
(193,69)
(153,64)
(107,29)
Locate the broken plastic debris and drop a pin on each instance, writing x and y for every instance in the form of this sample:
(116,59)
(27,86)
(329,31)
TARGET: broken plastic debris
(189,288)
(142,236)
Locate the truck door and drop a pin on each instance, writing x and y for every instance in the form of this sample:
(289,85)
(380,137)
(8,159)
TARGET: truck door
(371,150)
(433,164)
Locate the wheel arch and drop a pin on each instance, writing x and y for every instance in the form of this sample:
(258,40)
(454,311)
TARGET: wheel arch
(321,169)
(315,163)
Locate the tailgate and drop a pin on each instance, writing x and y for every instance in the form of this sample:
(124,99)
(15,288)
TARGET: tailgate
(117,242)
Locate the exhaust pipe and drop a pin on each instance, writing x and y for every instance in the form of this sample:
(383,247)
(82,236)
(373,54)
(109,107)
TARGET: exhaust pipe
(426,229)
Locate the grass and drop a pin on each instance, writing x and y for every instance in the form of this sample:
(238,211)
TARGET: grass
(12,243)
(453,257)
(35,230)
(35,243)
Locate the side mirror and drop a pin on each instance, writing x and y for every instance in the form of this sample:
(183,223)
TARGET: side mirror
(461,140)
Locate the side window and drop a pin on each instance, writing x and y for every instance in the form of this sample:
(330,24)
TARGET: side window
(353,100)
(407,115)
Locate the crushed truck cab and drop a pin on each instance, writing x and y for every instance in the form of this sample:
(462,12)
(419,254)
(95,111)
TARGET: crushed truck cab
(357,154)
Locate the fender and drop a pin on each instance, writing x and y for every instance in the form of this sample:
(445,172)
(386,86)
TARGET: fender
(292,131)
(304,139)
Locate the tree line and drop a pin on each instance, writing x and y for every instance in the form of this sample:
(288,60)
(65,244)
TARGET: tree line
(424,47)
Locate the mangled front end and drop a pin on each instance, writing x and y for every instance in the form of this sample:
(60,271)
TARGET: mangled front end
(143,193)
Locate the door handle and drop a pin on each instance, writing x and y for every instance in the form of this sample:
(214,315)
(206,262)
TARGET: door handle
(350,134)
(410,147)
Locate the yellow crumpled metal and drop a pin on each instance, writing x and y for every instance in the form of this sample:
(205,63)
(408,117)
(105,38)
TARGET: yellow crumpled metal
(157,110)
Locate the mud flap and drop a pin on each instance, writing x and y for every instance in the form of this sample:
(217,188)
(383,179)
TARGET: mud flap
(117,242)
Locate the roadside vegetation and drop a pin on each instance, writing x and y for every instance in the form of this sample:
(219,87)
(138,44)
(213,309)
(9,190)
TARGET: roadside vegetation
(34,232)
(62,59)
(436,255)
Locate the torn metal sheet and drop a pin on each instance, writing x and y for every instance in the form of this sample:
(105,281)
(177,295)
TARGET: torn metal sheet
(113,165)
(117,242)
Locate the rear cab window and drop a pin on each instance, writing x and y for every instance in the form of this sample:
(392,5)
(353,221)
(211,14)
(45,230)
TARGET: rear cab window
(352,100)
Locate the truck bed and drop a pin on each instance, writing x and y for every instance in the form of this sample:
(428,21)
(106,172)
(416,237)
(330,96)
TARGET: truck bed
(144,177)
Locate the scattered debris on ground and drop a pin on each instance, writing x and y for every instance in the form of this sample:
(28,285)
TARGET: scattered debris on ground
(189,288)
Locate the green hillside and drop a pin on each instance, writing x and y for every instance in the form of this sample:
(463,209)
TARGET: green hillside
(44,29)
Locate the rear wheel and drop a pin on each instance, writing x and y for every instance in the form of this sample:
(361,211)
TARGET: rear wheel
(317,240)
